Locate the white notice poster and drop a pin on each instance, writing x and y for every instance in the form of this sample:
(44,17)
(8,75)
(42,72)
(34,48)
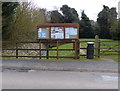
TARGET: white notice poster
(57,32)
(73,31)
(70,32)
(43,33)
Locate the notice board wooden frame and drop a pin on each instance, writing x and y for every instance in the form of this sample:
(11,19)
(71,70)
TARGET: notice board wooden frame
(64,25)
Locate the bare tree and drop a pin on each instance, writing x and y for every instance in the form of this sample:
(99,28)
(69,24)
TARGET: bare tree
(26,19)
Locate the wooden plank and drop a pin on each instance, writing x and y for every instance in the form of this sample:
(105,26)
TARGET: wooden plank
(49,32)
(61,49)
(75,49)
(64,33)
(83,48)
(110,54)
(60,41)
(78,51)
(86,41)
(83,55)
(43,41)
(30,49)
(65,49)
(110,41)
(58,25)
(109,48)
(40,49)
(110,44)
(47,56)
(57,49)
(109,51)
(44,56)
(54,41)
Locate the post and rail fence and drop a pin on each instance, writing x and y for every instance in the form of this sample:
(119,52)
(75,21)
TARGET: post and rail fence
(98,49)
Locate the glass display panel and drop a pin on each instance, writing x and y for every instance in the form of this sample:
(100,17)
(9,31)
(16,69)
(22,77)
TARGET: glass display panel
(70,33)
(57,32)
(43,33)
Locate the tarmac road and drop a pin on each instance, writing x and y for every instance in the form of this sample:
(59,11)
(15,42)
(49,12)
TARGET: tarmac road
(54,65)
(58,80)
(52,74)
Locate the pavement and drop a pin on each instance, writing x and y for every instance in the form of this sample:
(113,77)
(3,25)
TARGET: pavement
(59,65)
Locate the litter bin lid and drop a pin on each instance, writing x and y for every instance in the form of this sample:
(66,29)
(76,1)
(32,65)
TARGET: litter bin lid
(90,42)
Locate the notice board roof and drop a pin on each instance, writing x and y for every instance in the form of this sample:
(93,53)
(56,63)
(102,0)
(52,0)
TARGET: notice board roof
(58,25)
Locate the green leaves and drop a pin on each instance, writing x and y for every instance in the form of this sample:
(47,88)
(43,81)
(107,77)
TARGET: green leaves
(70,14)
(86,29)
(8,11)
(56,17)
(106,19)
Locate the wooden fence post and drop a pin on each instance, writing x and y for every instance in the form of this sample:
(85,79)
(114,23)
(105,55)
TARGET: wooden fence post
(78,49)
(57,49)
(40,48)
(16,50)
(75,49)
(47,55)
(97,46)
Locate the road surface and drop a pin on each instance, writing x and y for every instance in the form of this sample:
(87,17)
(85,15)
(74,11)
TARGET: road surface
(58,80)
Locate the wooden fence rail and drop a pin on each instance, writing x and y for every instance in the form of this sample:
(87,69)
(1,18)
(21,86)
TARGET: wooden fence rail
(17,49)
(98,49)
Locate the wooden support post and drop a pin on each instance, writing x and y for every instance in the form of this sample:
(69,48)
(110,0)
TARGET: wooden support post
(40,48)
(73,46)
(75,49)
(99,49)
(16,50)
(78,49)
(57,50)
(47,55)
(97,46)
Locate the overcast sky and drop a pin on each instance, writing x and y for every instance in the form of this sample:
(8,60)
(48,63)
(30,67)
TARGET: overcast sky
(91,7)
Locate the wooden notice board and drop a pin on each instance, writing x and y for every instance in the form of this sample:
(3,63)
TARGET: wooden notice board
(68,31)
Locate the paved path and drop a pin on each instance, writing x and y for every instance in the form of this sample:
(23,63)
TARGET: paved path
(53,65)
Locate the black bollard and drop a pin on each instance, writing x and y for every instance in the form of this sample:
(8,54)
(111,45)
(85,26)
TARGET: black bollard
(90,50)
